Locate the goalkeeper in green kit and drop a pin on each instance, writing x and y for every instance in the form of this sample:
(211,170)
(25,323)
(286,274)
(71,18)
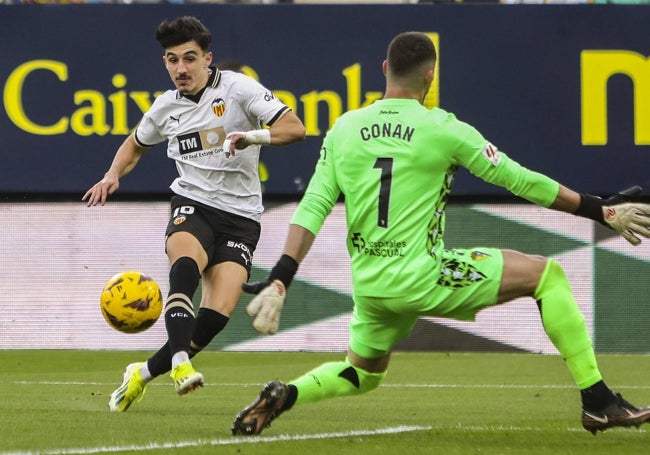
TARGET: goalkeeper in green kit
(394,162)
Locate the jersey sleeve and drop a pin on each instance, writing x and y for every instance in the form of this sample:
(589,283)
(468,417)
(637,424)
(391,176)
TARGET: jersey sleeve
(149,131)
(147,134)
(322,192)
(488,163)
(260,101)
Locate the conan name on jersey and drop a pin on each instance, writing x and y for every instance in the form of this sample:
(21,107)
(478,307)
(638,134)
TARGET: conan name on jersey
(378,130)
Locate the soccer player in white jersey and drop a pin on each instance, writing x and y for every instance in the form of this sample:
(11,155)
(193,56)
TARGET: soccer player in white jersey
(213,124)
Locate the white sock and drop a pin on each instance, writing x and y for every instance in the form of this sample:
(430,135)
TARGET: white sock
(180,357)
(145,374)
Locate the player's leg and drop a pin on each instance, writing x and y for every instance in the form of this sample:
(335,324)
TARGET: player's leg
(374,330)
(188,238)
(235,241)
(179,320)
(187,257)
(544,280)
(221,293)
(212,318)
(329,380)
(563,322)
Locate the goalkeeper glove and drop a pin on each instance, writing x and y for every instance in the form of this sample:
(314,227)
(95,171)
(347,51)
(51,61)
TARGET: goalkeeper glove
(267,305)
(631,220)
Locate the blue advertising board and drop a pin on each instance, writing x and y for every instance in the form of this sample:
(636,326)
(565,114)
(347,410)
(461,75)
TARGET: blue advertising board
(563,89)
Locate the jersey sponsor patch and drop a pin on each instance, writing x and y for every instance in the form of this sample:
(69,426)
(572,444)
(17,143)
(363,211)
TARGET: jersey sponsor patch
(491,153)
(188,143)
(193,142)
(378,248)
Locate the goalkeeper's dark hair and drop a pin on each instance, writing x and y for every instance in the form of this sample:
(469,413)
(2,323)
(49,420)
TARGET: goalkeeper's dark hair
(408,50)
(181,30)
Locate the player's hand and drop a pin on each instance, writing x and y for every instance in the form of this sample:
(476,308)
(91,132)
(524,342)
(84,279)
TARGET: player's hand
(266,306)
(101,190)
(631,220)
(238,140)
(234,141)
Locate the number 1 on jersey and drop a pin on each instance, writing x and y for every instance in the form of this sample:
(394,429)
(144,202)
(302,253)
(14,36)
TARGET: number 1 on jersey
(385,181)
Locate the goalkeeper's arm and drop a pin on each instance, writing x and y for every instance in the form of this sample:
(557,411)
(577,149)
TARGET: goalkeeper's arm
(267,305)
(630,219)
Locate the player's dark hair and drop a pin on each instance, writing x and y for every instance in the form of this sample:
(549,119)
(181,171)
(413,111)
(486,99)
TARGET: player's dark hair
(181,30)
(409,50)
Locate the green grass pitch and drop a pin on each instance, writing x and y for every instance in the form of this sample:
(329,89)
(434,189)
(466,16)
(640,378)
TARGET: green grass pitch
(55,402)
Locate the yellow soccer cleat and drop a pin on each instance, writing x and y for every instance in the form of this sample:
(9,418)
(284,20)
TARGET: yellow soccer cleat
(132,389)
(186,378)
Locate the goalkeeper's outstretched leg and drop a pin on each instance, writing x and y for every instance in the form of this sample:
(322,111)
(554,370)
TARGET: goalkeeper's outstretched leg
(566,328)
(329,380)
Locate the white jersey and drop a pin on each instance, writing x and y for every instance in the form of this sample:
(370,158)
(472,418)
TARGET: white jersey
(195,131)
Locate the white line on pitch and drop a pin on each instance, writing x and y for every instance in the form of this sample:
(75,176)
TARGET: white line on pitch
(222,442)
(415,386)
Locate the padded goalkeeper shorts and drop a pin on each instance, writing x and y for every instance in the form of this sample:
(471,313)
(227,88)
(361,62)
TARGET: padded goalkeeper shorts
(469,282)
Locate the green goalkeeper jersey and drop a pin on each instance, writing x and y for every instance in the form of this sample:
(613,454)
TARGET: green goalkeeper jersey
(394,163)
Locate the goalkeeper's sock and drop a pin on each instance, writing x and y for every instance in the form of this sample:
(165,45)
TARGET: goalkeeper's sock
(597,397)
(184,278)
(565,325)
(208,324)
(334,379)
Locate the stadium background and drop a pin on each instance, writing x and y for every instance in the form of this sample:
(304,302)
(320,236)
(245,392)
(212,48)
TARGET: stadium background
(563,89)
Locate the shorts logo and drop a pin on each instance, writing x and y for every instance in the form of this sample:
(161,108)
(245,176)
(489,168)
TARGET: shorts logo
(179,219)
(491,153)
(245,254)
(479,255)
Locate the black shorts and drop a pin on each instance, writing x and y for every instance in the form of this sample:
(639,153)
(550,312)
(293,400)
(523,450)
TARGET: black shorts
(224,236)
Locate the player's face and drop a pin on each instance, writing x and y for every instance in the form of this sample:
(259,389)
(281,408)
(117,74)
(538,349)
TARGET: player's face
(187,66)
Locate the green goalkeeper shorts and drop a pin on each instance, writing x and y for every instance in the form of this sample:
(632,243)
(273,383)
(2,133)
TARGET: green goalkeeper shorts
(469,281)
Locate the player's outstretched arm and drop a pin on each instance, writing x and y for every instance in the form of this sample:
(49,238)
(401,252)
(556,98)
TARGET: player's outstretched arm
(126,158)
(630,219)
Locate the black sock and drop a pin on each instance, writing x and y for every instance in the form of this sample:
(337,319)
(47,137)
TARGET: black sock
(184,278)
(596,397)
(292,396)
(207,325)
(160,362)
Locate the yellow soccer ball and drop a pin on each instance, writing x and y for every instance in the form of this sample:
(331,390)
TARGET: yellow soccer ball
(131,302)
